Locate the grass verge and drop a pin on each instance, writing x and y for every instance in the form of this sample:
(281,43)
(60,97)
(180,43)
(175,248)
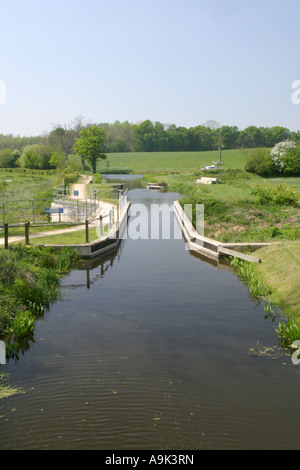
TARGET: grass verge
(280,269)
(29,283)
(71,238)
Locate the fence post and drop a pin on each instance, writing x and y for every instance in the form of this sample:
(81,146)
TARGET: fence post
(6,236)
(33,211)
(101,225)
(3,212)
(27,224)
(86,231)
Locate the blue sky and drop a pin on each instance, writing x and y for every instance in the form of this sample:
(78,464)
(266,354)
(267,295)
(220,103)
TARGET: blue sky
(175,61)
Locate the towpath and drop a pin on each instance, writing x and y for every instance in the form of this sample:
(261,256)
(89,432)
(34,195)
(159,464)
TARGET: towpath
(82,187)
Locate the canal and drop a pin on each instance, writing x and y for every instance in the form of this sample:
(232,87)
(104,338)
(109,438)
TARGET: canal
(152,347)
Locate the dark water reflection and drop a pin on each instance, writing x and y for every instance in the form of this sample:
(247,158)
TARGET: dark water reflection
(149,349)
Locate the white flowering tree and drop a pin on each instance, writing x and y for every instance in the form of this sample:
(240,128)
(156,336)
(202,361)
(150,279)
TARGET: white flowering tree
(279,152)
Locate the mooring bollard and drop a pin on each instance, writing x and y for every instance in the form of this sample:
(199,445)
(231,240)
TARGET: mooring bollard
(27,225)
(6,236)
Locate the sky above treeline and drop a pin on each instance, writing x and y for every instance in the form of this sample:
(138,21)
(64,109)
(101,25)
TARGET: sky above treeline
(180,62)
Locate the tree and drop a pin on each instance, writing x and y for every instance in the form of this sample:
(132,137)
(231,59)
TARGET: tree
(230,136)
(6,158)
(279,152)
(36,157)
(291,162)
(251,137)
(90,145)
(58,159)
(149,137)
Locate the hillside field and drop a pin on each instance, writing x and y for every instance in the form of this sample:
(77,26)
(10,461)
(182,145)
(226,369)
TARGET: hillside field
(170,162)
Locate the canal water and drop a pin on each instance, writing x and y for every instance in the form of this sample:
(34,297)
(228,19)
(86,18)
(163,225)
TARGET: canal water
(151,347)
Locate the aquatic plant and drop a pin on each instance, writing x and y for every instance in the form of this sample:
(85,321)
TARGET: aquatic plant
(248,276)
(5,389)
(288,332)
(22,326)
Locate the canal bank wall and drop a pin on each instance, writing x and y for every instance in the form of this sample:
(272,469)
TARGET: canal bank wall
(103,245)
(208,246)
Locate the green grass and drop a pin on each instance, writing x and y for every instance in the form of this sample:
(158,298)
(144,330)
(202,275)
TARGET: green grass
(280,269)
(21,186)
(235,211)
(29,283)
(20,231)
(72,238)
(171,162)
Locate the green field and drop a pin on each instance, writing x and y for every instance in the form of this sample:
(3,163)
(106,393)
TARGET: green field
(15,185)
(171,162)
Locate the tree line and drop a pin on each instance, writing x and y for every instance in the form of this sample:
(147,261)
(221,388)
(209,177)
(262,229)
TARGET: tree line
(57,148)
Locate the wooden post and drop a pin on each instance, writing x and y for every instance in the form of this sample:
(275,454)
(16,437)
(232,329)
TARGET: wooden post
(27,225)
(86,231)
(101,224)
(3,212)
(6,236)
(32,203)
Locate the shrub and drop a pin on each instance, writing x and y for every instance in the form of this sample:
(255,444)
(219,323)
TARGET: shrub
(279,194)
(261,163)
(291,162)
(6,158)
(279,152)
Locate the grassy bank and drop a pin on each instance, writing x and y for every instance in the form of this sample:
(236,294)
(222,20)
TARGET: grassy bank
(276,283)
(280,269)
(244,208)
(29,282)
